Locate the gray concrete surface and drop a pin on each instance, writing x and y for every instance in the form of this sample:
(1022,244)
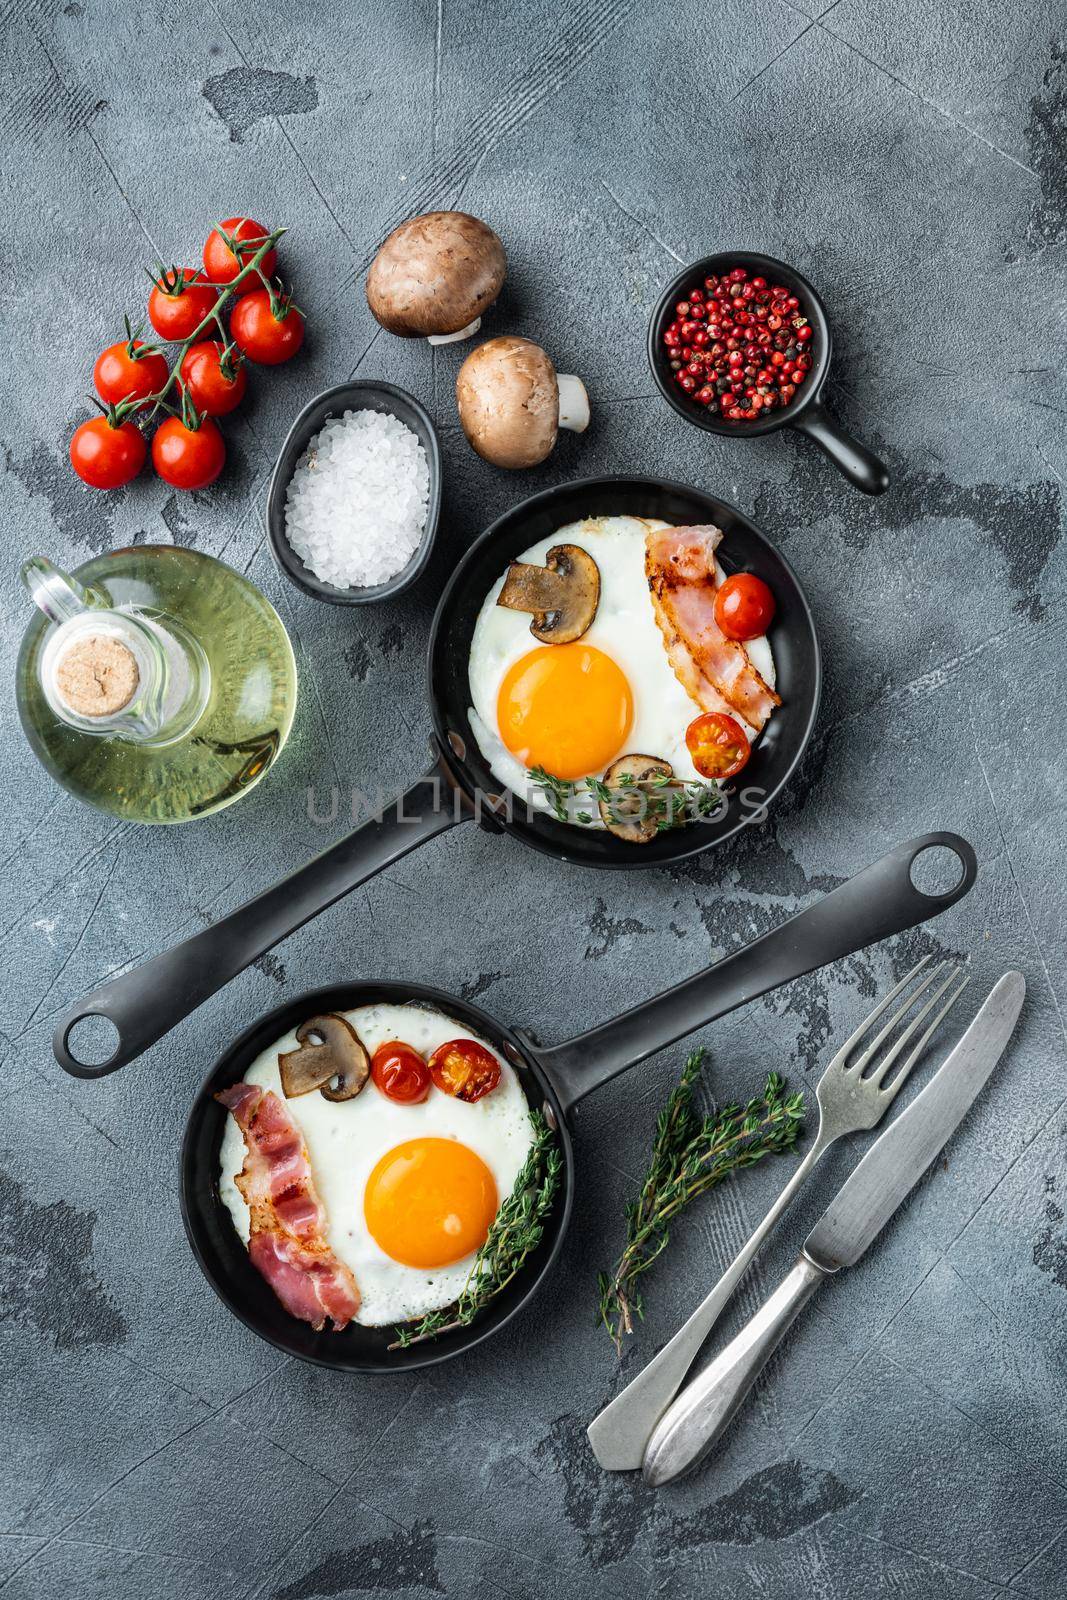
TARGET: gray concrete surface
(910,1439)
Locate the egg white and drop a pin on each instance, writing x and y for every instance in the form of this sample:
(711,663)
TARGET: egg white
(345,1140)
(624,628)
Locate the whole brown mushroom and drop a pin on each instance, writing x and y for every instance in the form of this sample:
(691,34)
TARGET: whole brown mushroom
(435,275)
(512,403)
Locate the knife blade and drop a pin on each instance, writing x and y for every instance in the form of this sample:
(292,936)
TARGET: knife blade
(889,1171)
(899,1157)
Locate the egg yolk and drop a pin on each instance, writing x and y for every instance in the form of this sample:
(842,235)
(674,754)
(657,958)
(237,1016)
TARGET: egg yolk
(565,707)
(429,1202)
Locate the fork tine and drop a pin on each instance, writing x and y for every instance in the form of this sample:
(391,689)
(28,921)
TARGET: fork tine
(878,1078)
(863,1061)
(850,1044)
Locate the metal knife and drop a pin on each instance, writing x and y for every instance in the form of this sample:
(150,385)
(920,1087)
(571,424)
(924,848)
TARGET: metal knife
(694,1422)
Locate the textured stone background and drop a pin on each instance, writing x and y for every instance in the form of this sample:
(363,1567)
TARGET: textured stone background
(909,1440)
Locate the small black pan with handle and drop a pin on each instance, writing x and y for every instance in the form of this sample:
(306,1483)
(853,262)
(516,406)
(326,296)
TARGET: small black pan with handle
(805,412)
(146,1002)
(879,901)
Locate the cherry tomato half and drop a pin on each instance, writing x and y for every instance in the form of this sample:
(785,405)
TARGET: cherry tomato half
(220,262)
(744,606)
(106,456)
(177,307)
(120,375)
(465,1069)
(718,745)
(188,458)
(261,335)
(212,393)
(400,1072)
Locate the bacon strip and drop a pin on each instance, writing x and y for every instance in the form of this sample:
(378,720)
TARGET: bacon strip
(287,1241)
(713,670)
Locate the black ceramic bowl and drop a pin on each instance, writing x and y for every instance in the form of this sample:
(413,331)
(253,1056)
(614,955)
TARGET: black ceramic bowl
(383,397)
(805,412)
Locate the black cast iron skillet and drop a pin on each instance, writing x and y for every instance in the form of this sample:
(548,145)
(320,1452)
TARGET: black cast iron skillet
(879,901)
(146,1002)
(805,411)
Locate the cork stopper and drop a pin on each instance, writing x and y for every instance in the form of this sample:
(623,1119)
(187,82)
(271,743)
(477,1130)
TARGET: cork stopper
(96,676)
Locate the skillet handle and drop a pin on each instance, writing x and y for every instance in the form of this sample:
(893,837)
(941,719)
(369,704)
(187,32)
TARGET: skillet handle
(859,465)
(150,999)
(880,901)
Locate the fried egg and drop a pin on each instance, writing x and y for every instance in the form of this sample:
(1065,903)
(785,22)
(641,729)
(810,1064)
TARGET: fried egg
(409,1191)
(573,708)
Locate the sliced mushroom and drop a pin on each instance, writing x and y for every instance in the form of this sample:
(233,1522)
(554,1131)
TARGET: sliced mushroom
(563,594)
(630,816)
(331,1058)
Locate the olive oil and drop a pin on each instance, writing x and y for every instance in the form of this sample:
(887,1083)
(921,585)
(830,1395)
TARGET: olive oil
(156,683)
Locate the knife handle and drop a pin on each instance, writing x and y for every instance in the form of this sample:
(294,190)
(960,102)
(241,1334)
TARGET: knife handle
(620,1433)
(705,1408)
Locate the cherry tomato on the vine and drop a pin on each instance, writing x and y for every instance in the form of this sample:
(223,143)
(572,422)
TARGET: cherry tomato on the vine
(105,454)
(261,335)
(400,1072)
(464,1068)
(220,262)
(188,458)
(718,745)
(211,391)
(129,370)
(179,302)
(744,606)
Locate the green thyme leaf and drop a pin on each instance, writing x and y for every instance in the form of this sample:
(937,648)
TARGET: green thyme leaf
(669,802)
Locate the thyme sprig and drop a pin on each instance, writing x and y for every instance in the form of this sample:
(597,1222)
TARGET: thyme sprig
(516,1232)
(690,1155)
(671,801)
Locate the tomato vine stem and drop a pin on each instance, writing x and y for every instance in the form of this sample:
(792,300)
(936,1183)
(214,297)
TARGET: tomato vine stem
(138,409)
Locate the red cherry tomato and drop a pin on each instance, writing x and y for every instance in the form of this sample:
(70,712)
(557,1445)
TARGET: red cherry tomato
(744,606)
(220,262)
(188,458)
(178,304)
(261,335)
(718,745)
(122,373)
(107,456)
(465,1069)
(400,1072)
(212,393)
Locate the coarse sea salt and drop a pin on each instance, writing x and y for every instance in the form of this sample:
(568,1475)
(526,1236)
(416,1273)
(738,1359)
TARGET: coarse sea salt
(356,504)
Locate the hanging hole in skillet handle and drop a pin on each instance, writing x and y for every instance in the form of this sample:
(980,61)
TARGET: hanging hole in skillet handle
(89,1045)
(937,871)
(859,465)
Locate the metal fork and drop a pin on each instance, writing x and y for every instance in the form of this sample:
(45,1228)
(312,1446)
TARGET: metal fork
(850,1098)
